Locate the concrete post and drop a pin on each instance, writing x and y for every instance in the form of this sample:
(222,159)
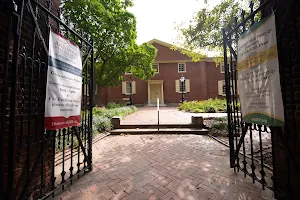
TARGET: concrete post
(116,121)
(197,121)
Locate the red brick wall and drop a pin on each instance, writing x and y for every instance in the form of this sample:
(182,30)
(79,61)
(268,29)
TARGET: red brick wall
(213,76)
(204,77)
(165,53)
(287,163)
(3,52)
(37,107)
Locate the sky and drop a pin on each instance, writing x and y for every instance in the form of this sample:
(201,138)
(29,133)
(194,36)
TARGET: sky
(156,19)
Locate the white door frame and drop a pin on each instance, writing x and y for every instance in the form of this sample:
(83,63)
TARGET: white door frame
(156,82)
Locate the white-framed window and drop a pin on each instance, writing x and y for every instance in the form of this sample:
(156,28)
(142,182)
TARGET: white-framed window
(222,88)
(128,73)
(182,87)
(128,87)
(222,66)
(181,67)
(156,68)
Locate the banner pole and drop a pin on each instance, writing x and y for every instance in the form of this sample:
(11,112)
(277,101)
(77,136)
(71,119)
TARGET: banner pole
(158,114)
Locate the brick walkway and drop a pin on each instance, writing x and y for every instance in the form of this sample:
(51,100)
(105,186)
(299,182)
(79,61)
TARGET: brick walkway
(168,115)
(162,167)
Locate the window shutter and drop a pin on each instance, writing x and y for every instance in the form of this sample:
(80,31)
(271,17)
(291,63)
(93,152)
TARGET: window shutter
(96,89)
(133,85)
(177,86)
(123,87)
(187,85)
(237,87)
(85,90)
(220,87)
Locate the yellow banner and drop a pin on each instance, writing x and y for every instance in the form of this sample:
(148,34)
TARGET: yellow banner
(258,58)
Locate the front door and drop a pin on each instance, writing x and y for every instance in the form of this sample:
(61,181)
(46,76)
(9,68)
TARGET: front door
(155,92)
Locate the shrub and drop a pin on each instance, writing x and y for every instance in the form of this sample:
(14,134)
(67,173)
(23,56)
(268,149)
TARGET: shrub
(207,106)
(101,119)
(210,109)
(102,116)
(112,105)
(220,126)
(101,124)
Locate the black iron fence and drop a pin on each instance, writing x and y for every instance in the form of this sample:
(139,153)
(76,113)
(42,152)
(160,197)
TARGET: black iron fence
(38,162)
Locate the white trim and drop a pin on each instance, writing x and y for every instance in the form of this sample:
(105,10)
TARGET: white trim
(128,73)
(224,84)
(221,84)
(184,67)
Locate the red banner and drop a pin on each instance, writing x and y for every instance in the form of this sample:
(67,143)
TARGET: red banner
(53,123)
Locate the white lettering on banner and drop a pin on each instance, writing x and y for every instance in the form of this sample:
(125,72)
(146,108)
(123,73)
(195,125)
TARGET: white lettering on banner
(258,75)
(64,82)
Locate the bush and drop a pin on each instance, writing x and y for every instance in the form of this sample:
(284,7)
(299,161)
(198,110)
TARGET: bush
(220,126)
(101,120)
(102,116)
(207,106)
(101,124)
(112,105)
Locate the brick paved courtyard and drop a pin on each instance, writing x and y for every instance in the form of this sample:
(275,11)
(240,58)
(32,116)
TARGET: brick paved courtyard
(162,167)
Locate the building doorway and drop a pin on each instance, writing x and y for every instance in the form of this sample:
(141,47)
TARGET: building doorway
(155,90)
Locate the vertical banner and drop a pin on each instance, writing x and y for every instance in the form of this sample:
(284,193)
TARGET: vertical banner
(258,75)
(64,82)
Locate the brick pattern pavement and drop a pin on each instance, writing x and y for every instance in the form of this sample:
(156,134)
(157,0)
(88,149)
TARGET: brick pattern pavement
(162,167)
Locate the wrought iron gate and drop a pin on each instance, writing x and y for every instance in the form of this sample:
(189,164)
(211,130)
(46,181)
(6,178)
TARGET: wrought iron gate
(40,162)
(251,145)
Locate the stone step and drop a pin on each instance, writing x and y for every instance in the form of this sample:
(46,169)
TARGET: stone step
(154,126)
(138,131)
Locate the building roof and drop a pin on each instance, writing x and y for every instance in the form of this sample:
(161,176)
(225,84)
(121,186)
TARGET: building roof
(171,46)
(164,44)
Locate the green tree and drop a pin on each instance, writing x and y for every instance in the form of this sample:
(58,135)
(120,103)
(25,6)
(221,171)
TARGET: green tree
(113,29)
(205,28)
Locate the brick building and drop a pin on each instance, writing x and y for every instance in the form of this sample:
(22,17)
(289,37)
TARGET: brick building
(203,80)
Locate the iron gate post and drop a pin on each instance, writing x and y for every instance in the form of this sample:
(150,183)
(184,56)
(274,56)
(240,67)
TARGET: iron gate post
(92,85)
(230,136)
